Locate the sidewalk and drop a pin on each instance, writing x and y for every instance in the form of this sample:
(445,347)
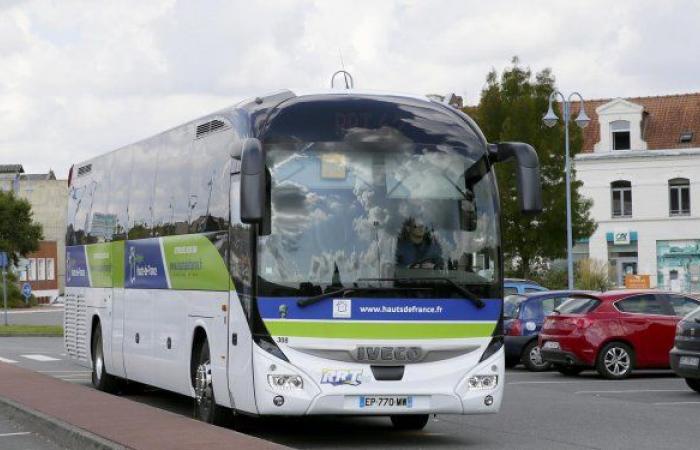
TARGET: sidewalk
(74,413)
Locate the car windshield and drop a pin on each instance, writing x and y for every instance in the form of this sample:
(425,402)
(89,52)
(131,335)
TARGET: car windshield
(578,305)
(511,305)
(342,212)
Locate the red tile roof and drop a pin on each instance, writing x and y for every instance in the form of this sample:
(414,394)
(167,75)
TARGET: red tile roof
(665,118)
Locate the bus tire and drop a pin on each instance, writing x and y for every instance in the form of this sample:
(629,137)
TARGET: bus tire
(205,407)
(410,422)
(101,380)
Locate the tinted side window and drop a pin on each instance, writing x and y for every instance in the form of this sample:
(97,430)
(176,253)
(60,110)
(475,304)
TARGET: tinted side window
(531,310)
(240,258)
(100,227)
(120,177)
(173,202)
(682,305)
(209,182)
(530,289)
(641,304)
(143,174)
(510,290)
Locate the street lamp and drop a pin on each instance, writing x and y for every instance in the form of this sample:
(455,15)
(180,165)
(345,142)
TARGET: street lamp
(550,119)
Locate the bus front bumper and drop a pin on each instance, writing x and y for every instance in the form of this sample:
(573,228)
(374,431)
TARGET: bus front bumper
(354,391)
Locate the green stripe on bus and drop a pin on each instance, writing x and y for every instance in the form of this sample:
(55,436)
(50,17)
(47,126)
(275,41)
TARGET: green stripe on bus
(379,330)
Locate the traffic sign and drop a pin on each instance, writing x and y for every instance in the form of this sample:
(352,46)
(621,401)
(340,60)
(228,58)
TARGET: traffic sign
(3,260)
(26,291)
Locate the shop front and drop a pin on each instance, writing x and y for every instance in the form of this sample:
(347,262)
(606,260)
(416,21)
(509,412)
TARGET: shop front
(678,265)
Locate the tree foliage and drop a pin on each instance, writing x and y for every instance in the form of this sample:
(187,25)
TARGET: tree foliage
(19,234)
(511,109)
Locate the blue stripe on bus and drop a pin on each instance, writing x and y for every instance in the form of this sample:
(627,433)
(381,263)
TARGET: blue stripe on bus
(402,309)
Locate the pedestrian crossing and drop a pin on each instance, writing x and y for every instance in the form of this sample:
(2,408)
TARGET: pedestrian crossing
(48,366)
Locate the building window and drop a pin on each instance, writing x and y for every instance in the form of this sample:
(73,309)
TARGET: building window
(50,269)
(679,196)
(621,198)
(31,270)
(620,134)
(40,269)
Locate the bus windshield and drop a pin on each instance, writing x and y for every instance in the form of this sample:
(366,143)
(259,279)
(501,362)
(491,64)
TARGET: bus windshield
(344,212)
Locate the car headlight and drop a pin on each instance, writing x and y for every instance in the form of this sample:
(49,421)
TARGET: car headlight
(482,382)
(285,382)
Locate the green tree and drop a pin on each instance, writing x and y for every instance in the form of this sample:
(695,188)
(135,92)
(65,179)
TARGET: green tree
(511,109)
(19,235)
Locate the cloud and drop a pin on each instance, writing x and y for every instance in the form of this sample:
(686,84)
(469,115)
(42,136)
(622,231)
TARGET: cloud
(81,78)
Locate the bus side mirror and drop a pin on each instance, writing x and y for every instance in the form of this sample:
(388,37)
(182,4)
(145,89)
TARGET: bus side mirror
(252,182)
(528,172)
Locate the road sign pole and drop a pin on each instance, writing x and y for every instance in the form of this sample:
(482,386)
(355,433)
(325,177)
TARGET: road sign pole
(4,292)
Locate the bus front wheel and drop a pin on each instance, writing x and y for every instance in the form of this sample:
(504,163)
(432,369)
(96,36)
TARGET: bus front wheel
(101,380)
(410,422)
(205,407)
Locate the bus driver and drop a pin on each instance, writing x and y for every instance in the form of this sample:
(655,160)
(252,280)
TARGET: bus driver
(417,248)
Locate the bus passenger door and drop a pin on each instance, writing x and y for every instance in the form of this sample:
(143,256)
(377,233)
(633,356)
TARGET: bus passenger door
(241,247)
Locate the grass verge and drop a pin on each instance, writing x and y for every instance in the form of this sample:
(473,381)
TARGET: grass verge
(31,330)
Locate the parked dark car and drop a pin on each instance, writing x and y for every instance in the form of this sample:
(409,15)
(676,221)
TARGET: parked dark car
(614,332)
(685,355)
(523,318)
(520,286)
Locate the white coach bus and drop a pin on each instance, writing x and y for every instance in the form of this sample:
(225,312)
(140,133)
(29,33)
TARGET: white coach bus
(322,253)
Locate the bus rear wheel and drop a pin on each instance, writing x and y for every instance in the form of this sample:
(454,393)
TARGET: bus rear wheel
(205,407)
(410,422)
(101,380)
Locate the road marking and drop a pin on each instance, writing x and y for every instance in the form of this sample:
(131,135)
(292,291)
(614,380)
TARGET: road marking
(21,433)
(676,403)
(631,391)
(64,371)
(35,312)
(542,382)
(8,361)
(42,358)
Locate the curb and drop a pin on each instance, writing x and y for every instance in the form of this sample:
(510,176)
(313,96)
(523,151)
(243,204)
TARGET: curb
(61,433)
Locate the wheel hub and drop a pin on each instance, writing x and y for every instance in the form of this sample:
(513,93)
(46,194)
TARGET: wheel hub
(202,383)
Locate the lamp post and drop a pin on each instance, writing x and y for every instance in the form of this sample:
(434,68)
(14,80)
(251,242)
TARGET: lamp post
(550,119)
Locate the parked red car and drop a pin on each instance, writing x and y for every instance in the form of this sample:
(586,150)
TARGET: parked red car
(613,332)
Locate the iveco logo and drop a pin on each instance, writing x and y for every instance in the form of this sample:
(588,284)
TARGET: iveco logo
(400,354)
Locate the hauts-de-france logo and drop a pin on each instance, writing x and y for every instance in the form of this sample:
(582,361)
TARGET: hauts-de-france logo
(341,377)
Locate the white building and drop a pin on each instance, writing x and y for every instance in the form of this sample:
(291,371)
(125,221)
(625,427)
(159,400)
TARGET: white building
(641,166)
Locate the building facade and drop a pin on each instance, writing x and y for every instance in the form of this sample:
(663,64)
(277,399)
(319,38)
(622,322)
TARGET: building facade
(42,269)
(641,166)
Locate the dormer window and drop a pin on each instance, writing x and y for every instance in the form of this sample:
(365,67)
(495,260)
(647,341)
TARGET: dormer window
(620,130)
(621,126)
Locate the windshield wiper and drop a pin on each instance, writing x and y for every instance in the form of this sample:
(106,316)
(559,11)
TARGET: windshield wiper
(317,298)
(467,294)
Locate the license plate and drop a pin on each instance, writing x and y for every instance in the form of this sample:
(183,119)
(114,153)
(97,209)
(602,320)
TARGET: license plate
(689,361)
(386,401)
(551,345)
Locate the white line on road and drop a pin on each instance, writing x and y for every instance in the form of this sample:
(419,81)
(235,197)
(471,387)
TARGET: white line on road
(35,312)
(42,358)
(21,433)
(64,371)
(631,391)
(676,403)
(542,382)
(8,361)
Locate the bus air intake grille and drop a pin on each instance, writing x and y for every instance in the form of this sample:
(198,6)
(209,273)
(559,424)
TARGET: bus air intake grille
(210,127)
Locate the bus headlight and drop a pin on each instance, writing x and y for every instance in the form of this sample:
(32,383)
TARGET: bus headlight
(285,382)
(482,382)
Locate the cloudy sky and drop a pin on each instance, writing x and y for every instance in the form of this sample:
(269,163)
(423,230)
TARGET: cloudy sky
(79,78)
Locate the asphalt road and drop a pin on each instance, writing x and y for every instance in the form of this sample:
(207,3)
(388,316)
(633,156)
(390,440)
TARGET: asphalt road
(651,410)
(44,315)
(13,436)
